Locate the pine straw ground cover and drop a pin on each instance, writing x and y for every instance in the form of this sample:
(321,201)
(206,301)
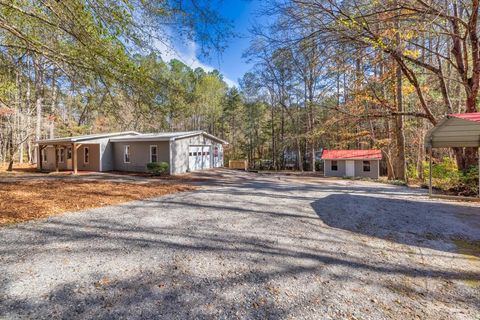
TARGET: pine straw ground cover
(27,200)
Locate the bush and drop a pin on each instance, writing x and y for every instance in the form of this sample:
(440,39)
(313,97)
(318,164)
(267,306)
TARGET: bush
(447,177)
(158,168)
(412,172)
(469,182)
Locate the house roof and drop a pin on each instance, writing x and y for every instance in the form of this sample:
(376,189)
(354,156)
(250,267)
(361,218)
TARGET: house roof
(455,130)
(475,116)
(352,154)
(88,137)
(166,136)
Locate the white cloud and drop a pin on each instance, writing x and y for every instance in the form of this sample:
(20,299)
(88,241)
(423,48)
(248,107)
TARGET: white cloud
(187,53)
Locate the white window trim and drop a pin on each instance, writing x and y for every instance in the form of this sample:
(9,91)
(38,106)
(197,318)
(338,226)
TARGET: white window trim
(125,153)
(59,153)
(156,147)
(331,165)
(369,165)
(86,148)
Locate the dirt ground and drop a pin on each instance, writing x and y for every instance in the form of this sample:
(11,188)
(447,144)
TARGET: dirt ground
(250,246)
(27,195)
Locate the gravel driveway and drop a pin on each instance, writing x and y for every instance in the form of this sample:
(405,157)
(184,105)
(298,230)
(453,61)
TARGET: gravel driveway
(250,247)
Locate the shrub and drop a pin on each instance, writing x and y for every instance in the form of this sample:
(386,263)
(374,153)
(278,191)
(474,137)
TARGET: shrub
(158,168)
(412,172)
(447,177)
(469,182)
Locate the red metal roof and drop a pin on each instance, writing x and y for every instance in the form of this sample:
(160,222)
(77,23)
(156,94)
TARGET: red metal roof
(351,154)
(474,116)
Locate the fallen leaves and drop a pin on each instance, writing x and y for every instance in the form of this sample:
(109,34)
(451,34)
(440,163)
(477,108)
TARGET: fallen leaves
(33,199)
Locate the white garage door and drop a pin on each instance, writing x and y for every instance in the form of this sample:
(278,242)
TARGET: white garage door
(198,157)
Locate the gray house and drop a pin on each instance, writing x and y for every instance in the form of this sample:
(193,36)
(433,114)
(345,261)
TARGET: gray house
(352,163)
(131,151)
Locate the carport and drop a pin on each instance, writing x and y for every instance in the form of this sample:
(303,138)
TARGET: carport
(455,130)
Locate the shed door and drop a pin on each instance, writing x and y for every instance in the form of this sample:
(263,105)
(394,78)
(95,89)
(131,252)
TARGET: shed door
(198,157)
(350,168)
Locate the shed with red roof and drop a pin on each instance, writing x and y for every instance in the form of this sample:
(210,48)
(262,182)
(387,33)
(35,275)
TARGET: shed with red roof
(352,163)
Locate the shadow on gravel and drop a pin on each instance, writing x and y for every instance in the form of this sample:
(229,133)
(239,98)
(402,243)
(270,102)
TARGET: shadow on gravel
(173,290)
(170,293)
(417,223)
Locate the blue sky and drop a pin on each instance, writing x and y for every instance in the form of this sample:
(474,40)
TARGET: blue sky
(230,63)
(242,13)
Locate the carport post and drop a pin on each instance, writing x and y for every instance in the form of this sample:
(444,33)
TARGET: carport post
(430,171)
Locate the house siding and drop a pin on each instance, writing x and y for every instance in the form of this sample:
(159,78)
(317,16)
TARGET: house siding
(374,167)
(139,154)
(92,165)
(339,173)
(180,155)
(373,173)
(93,159)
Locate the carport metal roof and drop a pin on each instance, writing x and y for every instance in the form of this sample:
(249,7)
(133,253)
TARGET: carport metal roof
(455,130)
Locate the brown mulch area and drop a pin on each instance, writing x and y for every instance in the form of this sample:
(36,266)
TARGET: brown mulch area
(28,200)
(17,168)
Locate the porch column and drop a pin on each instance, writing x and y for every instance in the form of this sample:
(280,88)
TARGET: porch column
(74,158)
(56,158)
(40,148)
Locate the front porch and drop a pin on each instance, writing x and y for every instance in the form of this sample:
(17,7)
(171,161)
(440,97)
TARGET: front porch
(64,156)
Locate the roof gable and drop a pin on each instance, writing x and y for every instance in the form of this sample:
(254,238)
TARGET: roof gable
(167,136)
(352,154)
(88,137)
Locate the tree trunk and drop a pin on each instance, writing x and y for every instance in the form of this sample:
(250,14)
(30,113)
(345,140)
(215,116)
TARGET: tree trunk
(399,134)
(53,105)
(38,102)
(400,165)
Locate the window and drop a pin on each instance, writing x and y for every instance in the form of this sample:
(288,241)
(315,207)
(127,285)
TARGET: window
(153,154)
(61,155)
(44,155)
(334,165)
(366,166)
(69,153)
(86,155)
(126,154)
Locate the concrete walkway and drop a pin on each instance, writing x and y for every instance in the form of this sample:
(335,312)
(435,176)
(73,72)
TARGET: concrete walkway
(249,246)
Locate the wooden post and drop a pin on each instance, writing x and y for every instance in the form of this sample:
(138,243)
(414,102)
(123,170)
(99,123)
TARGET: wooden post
(40,148)
(430,172)
(56,158)
(74,158)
